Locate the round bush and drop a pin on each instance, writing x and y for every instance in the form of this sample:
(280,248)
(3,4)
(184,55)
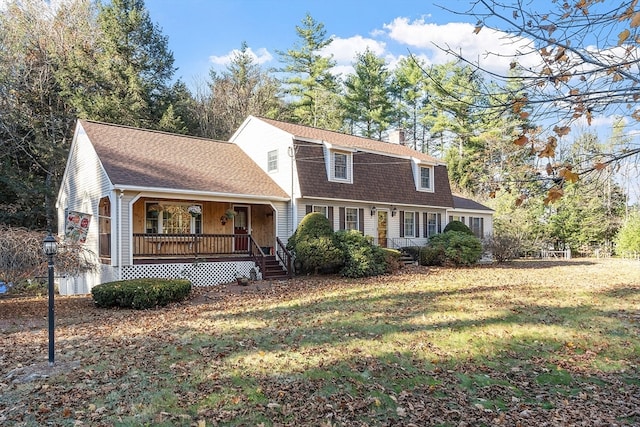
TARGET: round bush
(140,293)
(458,226)
(454,248)
(361,257)
(313,225)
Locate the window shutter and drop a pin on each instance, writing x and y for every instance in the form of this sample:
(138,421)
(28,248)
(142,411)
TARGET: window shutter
(481,228)
(425,222)
(341,214)
(439,220)
(361,220)
(401,223)
(330,216)
(417,225)
(308,209)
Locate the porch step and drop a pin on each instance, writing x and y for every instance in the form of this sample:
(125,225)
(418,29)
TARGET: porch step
(273,269)
(406,258)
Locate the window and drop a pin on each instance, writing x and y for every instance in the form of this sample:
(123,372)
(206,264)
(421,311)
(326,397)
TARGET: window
(172,218)
(272,161)
(425,178)
(409,224)
(322,209)
(433,225)
(351,219)
(477,226)
(340,165)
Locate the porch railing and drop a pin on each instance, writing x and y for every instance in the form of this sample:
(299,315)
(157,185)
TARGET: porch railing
(190,245)
(284,256)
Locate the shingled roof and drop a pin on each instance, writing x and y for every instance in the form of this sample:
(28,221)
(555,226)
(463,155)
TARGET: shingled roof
(460,202)
(159,160)
(351,141)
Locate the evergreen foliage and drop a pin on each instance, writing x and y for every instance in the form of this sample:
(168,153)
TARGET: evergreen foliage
(140,294)
(452,248)
(628,238)
(457,226)
(361,257)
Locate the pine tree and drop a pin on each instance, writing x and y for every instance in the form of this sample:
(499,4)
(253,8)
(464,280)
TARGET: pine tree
(367,99)
(308,79)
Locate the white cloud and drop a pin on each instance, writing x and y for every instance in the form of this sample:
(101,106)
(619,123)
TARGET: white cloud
(493,50)
(261,56)
(344,50)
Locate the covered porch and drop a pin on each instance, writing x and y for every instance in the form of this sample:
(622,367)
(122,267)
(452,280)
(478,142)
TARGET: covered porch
(179,231)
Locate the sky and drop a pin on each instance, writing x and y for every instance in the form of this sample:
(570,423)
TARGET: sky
(204,33)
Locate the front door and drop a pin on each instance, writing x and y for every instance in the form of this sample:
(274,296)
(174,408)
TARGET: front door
(241,228)
(382,228)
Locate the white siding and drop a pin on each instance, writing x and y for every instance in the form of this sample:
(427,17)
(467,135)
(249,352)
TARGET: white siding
(83,184)
(257,139)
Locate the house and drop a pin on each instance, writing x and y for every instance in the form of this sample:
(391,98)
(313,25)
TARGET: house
(163,205)
(398,196)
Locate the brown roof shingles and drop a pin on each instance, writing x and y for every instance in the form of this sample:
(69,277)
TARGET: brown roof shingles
(159,160)
(376,178)
(346,140)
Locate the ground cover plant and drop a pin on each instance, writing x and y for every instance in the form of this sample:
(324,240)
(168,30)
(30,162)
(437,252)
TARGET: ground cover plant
(552,343)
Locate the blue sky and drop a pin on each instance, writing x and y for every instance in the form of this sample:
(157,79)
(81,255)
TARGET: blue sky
(203,33)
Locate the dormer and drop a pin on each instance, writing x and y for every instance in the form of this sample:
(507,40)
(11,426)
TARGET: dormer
(339,163)
(423,175)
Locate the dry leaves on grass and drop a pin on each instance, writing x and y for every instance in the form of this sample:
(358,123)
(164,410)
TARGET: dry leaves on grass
(425,347)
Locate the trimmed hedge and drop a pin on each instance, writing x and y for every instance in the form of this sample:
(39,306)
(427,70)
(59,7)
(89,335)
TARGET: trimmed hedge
(458,226)
(140,293)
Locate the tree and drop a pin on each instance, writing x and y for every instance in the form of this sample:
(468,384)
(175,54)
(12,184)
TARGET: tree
(367,99)
(409,90)
(241,90)
(586,53)
(125,76)
(308,79)
(36,119)
(628,239)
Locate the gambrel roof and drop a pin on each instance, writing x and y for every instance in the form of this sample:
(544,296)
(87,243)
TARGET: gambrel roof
(147,159)
(339,139)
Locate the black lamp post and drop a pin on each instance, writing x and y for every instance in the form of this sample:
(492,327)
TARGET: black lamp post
(50,248)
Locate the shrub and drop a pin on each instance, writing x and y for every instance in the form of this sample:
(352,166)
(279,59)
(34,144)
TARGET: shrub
(140,293)
(457,226)
(628,239)
(504,247)
(453,247)
(392,259)
(361,257)
(313,225)
(320,254)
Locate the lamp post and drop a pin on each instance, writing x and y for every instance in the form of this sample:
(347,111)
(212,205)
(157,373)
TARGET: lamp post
(50,248)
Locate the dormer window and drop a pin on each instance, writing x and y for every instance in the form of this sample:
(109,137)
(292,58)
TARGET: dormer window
(341,166)
(425,181)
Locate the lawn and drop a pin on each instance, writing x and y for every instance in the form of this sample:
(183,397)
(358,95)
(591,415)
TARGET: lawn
(534,343)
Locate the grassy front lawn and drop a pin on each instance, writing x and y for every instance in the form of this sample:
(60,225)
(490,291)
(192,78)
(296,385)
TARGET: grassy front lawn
(523,344)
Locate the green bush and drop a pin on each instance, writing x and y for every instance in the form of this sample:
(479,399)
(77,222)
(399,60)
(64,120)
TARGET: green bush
(392,259)
(313,225)
(452,248)
(628,239)
(320,254)
(457,226)
(140,293)
(361,257)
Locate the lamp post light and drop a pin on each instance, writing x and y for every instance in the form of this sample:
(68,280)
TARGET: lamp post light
(50,248)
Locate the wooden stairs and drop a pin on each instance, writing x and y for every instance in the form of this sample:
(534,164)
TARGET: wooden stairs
(273,270)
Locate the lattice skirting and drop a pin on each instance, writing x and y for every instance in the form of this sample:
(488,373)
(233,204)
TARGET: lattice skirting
(200,274)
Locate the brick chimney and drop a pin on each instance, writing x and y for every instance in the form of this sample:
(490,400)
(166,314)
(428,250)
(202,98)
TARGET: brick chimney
(396,136)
